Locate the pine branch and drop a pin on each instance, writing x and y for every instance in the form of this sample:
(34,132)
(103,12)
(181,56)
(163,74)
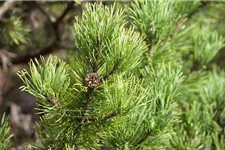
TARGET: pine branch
(109,116)
(144,138)
(193,68)
(86,106)
(150,50)
(87,101)
(178,24)
(105,118)
(94,120)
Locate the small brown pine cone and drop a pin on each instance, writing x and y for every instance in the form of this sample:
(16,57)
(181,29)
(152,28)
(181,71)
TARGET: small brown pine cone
(92,80)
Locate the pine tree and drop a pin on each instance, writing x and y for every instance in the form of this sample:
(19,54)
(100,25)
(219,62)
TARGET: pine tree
(141,77)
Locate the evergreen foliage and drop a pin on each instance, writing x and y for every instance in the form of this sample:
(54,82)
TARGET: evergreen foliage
(151,85)
(5,136)
(88,115)
(14,31)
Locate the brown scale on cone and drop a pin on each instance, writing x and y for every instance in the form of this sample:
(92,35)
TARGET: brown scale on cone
(92,80)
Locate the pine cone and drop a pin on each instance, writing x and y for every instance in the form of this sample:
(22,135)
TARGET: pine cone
(92,80)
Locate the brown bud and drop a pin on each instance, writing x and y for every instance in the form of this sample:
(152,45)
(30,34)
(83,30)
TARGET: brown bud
(92,80)
(54,100)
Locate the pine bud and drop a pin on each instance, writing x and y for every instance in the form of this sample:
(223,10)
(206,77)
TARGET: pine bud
(92,80)
(54,100)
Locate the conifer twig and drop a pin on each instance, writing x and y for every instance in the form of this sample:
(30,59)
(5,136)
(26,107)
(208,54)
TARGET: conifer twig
(193,68)
(86,106)
(92,120)
(111,115)
(150,50)
(144,138)
(178,24)
(87,101)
